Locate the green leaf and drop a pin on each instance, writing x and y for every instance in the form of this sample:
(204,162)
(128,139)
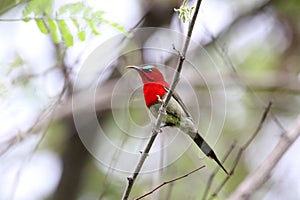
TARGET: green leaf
(81,35)
(53,30)
(76,24)
(87,12)
(26,19)
(31,7)
(92,26)
(97,14)
(38,8)
(65,32)
(115,25)
(42,25)
(100,19)
(120,28)
(6,5)
(49,22)
(73,8)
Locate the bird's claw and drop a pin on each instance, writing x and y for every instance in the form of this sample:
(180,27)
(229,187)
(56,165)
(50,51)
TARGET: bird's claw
(159,99)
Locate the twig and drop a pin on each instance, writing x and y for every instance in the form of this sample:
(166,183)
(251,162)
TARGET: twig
(228,62)
(263,119)
(262,173)
(241,151)
(106,180)
(45,114)
(169,192)
(168,182)
(162,109)
(44,119)
(210,180)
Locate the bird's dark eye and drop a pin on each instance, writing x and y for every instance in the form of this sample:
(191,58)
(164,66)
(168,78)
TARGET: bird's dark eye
(148,70)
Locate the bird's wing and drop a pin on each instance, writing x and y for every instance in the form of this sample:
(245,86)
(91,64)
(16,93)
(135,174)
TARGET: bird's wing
(178,99)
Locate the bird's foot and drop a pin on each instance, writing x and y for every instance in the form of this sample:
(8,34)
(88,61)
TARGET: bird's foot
(159,99)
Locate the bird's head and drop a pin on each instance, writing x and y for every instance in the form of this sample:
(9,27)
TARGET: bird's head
(149,74)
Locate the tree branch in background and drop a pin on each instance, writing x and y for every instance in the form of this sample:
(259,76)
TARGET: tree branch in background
(262,173)
(163,107)
(107,180)
(42,123)
(228,62)
(168,182)
(241,151)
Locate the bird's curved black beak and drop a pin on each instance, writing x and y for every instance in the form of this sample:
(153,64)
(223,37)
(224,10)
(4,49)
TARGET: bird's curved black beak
(134,67)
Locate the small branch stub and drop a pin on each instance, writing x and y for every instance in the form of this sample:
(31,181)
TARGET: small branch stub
(181,56)
(130,179)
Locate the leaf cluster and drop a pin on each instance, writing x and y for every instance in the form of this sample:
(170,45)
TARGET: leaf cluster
(185,12)
(73,16)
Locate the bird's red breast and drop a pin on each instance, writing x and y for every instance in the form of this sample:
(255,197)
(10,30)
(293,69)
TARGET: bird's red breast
(152,91)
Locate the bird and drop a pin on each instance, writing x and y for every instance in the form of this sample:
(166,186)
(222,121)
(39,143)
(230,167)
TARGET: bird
(155,89)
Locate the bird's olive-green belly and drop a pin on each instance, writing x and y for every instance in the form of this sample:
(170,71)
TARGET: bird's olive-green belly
(174,113)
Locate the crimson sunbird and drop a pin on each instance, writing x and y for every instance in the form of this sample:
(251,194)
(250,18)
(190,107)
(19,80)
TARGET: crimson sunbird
(155,89)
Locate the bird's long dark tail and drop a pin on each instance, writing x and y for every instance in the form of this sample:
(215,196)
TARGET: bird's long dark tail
(207,150)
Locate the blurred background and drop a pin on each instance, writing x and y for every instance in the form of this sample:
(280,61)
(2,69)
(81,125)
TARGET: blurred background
(73,119)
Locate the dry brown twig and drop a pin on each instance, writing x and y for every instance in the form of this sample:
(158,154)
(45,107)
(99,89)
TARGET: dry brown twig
(170,181)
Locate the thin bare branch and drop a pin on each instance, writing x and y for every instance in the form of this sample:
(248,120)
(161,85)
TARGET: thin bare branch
(44,114)
(262,120)
(228,62)
(170,181)
(163,107)
(107,181)
(262,173)
(169,192)
(44,120)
